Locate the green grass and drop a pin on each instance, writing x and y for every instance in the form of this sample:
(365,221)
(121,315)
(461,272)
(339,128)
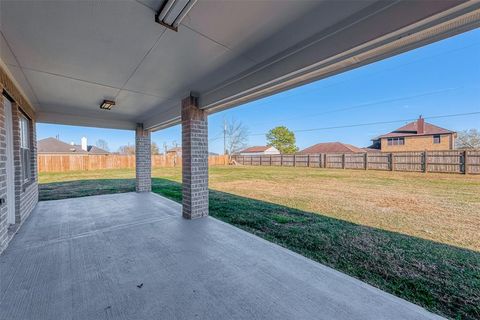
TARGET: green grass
(441,277)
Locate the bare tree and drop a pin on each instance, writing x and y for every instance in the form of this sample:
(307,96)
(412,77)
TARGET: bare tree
(102,144)
(236,136)
(468,139)
(154,148)
(128,149)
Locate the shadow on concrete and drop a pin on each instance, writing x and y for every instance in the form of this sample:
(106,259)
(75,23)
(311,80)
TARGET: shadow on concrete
(442,278)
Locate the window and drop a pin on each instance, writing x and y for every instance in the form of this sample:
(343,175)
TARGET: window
(25,147)
(396,141)
(436,139)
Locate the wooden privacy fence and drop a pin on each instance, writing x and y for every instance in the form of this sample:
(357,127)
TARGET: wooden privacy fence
(451,161)
(67,162)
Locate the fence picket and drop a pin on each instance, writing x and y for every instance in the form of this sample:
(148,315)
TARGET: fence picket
(448,161)
(64,163)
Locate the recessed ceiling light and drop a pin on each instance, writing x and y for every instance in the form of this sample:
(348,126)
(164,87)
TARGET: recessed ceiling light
(172,12)
(107,104)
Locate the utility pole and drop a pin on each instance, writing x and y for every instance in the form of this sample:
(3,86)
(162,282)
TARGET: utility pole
(224,136)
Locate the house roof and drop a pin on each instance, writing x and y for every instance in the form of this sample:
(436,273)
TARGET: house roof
(96,150)
(52,145)
(175,149)
(332,147)
(256,149)
(411,129)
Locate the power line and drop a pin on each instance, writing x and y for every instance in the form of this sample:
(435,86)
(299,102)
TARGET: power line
(413,61)
(376,123)
(292,94)
(217,136)
(377,102)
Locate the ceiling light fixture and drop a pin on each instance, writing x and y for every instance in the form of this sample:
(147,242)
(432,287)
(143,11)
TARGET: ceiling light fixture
(172,12)
(107,104)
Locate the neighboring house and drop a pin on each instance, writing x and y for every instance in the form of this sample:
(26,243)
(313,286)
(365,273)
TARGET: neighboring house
(331,147)
(55,146)
(259,150)
(175,151)
(371,150)
(417,136)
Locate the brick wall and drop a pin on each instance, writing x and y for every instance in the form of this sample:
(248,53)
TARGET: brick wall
(26,192)
(194,160)
(143,160)
(420,143)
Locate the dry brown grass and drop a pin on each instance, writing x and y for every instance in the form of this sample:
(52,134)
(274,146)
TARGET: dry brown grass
(440,207)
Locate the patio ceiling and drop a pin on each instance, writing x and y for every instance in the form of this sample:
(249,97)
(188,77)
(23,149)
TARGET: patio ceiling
(68,56)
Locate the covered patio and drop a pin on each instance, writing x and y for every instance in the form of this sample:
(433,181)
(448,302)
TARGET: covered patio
(132,256)
(146,65)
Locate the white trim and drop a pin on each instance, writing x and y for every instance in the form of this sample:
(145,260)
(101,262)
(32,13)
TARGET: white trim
(10,169)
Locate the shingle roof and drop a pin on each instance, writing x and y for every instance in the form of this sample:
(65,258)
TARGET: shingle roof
(410,129)
(52,145)
(175,149)
(96,150)
(332,147)
(255,149)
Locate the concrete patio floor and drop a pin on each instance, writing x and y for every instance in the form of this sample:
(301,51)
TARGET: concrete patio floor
(132,256)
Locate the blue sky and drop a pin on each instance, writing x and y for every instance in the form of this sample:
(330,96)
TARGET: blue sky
(440,79)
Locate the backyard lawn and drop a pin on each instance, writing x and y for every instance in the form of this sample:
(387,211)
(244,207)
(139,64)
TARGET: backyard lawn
(414,235)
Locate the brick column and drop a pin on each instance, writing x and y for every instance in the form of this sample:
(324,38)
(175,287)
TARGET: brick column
(143,160)
(194,159)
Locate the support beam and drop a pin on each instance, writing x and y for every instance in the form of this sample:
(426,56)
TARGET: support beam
(143,160)
(194,159)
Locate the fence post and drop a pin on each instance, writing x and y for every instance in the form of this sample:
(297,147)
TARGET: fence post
(294,160)
(343,161)
(308,160)
(366,160)
(281,160)
(392,162)
(465,162)
(261,161)
(270,160)
(325,160)
(425,161)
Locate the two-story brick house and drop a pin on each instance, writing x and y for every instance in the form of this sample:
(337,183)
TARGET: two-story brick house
(416,136)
